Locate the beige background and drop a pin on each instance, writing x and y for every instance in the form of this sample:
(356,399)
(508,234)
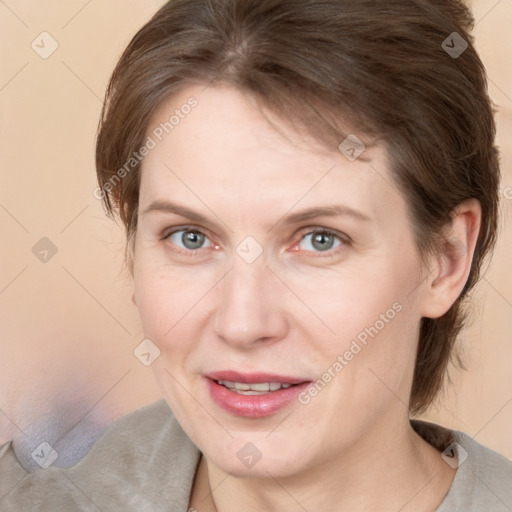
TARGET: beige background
(67,325)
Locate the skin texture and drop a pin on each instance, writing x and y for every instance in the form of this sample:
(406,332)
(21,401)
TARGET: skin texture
(292,311)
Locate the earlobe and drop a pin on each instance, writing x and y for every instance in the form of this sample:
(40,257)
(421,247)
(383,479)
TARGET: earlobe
(453,262)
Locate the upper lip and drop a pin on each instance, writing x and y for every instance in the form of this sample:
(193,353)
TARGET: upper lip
(254,378)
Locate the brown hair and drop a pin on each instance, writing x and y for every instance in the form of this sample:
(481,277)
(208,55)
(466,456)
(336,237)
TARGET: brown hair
(382,67)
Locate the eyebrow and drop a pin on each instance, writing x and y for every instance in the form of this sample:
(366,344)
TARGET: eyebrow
(325,211)
(167,207)
(293,218)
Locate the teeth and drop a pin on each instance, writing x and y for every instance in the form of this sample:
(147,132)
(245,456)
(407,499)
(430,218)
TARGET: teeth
(241,386)
(258,388)
(261,386)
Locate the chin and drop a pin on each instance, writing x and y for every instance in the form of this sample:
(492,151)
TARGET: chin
(254,457)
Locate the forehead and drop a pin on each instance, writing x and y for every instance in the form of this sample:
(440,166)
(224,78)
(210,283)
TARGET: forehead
(227,149)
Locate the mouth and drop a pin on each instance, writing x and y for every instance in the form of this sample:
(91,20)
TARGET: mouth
(254,388)
(253,395)
(254,378)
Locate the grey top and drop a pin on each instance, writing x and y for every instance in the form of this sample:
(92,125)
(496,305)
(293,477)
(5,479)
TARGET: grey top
(144,462)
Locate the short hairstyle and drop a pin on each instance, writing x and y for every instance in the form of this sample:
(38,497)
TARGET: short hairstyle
(394,71)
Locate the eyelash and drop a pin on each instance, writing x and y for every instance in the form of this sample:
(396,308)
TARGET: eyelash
(344,239)
(185,252)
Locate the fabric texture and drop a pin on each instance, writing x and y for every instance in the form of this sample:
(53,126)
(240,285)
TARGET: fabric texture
(145,462)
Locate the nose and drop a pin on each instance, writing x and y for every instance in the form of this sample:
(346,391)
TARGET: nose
(251,309)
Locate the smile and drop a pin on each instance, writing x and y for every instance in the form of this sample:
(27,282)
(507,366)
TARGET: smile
(257,388)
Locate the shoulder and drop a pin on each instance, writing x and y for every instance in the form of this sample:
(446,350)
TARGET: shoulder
(486,478)
(11,471)
(150,435)
(134,434)
(483,480)
(143,462)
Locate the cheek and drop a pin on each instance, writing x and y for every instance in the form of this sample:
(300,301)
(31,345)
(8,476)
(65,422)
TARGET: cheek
(341,305)
(369,367)
(168,299)
(371,321)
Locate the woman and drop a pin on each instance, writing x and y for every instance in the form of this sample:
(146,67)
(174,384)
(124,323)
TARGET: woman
(309,190)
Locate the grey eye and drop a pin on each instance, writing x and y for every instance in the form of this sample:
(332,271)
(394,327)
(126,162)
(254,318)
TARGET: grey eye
(189,239)
(320,241)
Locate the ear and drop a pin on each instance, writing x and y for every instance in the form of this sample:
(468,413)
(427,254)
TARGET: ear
(451,266)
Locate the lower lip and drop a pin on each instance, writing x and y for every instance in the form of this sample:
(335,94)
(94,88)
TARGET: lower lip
(253,406)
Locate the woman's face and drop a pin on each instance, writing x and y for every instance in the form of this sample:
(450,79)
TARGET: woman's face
(262,257)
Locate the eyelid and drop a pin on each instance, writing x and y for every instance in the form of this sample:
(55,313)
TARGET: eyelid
(344,239)
(167,233)
(321,229)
